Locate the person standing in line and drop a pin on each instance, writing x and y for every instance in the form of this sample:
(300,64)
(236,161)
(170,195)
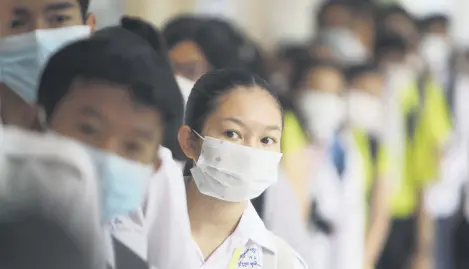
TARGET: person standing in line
(30,32)
(115,99)
(232,132)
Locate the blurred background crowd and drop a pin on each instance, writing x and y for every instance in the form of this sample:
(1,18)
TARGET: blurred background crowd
(376,137)
(375,140)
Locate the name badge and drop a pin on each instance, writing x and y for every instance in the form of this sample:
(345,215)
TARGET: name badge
(251,257)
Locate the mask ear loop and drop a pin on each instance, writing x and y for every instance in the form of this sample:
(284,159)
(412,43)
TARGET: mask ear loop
(196,133)
(194,162)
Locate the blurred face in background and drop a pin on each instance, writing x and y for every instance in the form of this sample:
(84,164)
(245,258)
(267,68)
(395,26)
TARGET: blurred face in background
(436,48)
(365,105)
(21,17)
(188,60)
(342,36)
(364,27)
(321,102)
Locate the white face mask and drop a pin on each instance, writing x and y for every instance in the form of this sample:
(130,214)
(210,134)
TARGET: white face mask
(325,113)
(345,45)
(23,56)
(234,173)
(436,50)
(365,112)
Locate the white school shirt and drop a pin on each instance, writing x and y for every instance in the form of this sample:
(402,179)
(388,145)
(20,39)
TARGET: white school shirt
(326,190)
(280,204)
(341,201)
(162,233)
(442,197)
(349,241)
(253,237)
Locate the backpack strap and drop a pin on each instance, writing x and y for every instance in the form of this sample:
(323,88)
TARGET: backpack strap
(374,146)
(414,115)
(451,83)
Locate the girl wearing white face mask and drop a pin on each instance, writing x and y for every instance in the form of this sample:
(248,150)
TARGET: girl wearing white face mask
(320,86)
(320,98)
(232,137)
(365,125)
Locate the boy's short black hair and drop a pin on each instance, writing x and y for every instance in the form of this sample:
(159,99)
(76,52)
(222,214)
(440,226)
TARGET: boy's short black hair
(123,58)
(356,71)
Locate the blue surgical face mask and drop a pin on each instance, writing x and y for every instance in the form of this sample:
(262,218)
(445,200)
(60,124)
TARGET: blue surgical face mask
(23,56)
(122,183)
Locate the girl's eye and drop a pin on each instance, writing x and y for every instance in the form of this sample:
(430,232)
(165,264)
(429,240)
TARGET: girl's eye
(268,141)
(232,135)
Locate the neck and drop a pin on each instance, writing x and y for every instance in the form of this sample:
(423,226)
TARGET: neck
(212,216)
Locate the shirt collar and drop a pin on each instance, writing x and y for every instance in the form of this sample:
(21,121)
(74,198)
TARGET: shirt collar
(252,227)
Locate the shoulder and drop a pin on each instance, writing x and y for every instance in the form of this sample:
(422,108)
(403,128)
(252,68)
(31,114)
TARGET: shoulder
(287,256)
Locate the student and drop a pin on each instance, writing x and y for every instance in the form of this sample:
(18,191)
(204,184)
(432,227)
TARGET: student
(337,30)
(115,98)
(233,126)
(365,118)
(319,94)
(417,133)
(318,89)
(30,31)
(187,57)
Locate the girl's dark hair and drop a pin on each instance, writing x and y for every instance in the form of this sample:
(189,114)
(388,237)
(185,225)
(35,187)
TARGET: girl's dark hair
(225,46)
(207,91)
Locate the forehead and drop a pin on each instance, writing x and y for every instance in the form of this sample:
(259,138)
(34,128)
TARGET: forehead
(111,99)
(186,51)
(368,78)
(323,73)
(254,106)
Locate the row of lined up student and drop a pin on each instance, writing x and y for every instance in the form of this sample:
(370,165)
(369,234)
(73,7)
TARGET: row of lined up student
(400,108)
(112,95)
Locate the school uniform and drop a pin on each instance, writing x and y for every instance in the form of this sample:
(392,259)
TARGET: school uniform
(280,204)
(251,245)
(159,232)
